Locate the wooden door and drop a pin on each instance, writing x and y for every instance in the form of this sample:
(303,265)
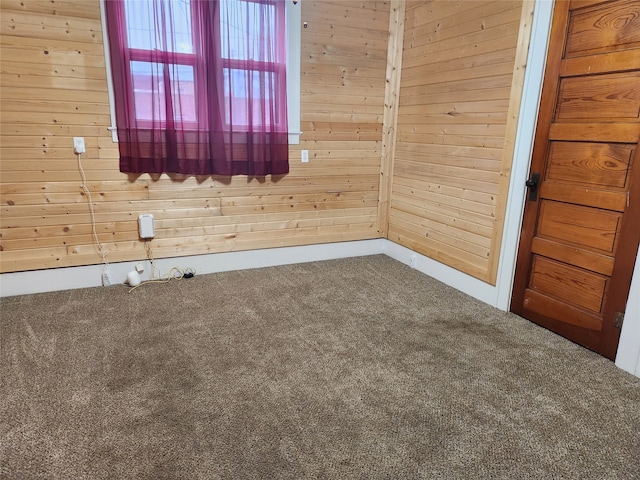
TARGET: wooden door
(581,224)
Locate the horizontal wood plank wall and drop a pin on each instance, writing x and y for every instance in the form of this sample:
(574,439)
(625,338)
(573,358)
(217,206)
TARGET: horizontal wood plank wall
(452,152)
(54,87)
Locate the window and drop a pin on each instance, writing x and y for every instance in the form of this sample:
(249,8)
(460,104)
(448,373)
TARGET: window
(148,73)
(198,86)
(263,75)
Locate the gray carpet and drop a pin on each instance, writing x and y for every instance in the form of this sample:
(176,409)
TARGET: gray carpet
(359,368)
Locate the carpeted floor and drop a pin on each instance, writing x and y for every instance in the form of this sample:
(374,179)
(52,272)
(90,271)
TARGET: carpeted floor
(350,369)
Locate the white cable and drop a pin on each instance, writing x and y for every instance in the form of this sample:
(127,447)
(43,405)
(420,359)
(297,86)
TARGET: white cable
(101,250)
(156,276)
(154,271)
(174,274)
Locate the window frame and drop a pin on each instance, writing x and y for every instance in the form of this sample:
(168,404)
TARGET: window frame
(293,49)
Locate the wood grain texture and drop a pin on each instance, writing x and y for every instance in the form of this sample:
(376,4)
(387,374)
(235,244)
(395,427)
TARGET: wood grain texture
(540,304)
(391,107)
(587,227)
(54,87)
(590,163)
(462,75)
(578,287)
(595,262)
(603,28)
(609,96)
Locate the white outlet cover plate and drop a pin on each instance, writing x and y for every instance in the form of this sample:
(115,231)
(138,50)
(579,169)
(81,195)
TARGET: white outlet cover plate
(145,224)
(78,145)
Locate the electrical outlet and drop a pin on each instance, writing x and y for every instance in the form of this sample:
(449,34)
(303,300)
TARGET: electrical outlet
(78,145)
(304,156)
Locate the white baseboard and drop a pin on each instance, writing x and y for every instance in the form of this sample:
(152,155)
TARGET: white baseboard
(447,275)
(38,281)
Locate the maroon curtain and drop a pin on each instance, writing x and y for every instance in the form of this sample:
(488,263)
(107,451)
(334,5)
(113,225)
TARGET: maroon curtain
(200,86)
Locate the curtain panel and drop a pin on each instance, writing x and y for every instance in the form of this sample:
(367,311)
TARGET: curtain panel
(200,86)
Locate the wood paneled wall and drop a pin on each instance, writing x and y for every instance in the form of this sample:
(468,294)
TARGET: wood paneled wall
(53,87)
(445,164)
(461,84)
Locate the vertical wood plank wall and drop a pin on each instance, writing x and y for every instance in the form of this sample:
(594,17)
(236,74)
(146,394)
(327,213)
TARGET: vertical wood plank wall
(53,87)
(459,100)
